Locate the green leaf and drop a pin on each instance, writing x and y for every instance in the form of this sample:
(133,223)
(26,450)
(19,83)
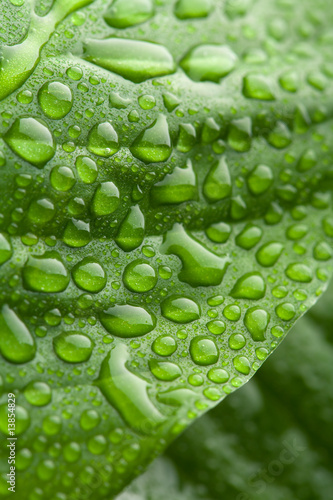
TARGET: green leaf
(270,440)
(164,224)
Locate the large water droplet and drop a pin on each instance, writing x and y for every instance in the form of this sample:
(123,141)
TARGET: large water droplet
(62,178)
(242,364)
(126,13)
(38,393)
(285,311)
(299,272)
(260,180)
(87,169)
(132,59)
(127,321)
(89,419)
(45,273)
(217,184)
(103,140)
(41,211)
(256,321)
(127,392)
(153,144)
(89,275)
(180,309)
(73,347)
(106,199)
(6,250)
(249,286)
(164,345)
(208,62)
(77,233)
(30,139)
(132,230)
(55,99)
(16,342)
(269,253)
(249,236)
(139,276)
(219,232)
(177,187)
(201,267)
(164,370)
(191,9)
(204,351)
(256,86)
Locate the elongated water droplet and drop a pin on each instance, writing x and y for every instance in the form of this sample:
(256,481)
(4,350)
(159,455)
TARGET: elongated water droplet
(204,351)
(217,185)
(260,180)
(89,275)
(180,309)
(210,131)
(106,199)
(55,99)
(16,342)
(125,13)
(200,266)
(256,321)
(30,139)
(187,137)
(87,169)
(242,365)
(132,230)
(177,397)
(240,135)
(219,232)
(249,236)
(208,62)
(140,276)
(299,272)
(73,347)
(177,187)
(269,253)
(153,145)
(127,392)
(192,9)
(45,273)
(103,140)
(127,321)
(249,286)
(164,370)
(132,59)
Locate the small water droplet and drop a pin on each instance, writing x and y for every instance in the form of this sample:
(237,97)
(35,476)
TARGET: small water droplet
(62,178)
(139,276)
(285,311)
(38,393)
(164,345)
(89,275)
(164,370)
(249,236)
(242,365)
(73,347)
(41,211)
(256,86)
(204,351)
(269,253)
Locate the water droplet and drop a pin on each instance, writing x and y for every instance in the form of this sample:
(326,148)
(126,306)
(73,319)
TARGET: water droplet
(77,233)
(72,452)
(164,370)
(180,309)
(232,312)
(187,137)
(106,199)
(41,211)
(216,327)
(217,184)
(89,420)
(297,231)
(177,397)
(322,251)
(212,393)
(307,161)
(45,273)
(256,321)
(132,59)
(132,230)
(328,226)
(170,101)
(290,81)
(30,139)
(127,321)
(164,345)
(236,341)
(22,420)
(103,140)
(204,351)
(299,272)
(6,250)
(280,137)
(260,180)
(208,62)
(195,379)
(89,275)
(147,101)
(218,375)
(189,9)
(153,145)
(62,178)
(127,392)
(285,311)
(52,425)
(249,236)
(125,13)
(97,445)
(16,343)
(177,187)
(219,232)
(55,99)
(210,131)
(200,266)
(240,135)
(269,253)
(139,276)
(73,347)
(249,286)
(259,87)
(242,364)
(38,393)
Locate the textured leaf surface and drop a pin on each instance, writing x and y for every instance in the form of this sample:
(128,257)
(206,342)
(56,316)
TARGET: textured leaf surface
(166,218)
(270,440)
